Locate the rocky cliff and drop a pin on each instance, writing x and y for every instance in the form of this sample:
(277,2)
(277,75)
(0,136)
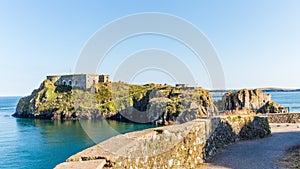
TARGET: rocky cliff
(255,100)
(149,103)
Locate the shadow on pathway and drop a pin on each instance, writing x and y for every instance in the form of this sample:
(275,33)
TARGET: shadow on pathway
(258,154)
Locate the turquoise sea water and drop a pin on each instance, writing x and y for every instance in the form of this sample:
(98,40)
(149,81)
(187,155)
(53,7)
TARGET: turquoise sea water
(287,99)
(37,144)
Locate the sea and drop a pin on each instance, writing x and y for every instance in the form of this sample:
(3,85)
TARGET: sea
(42,144)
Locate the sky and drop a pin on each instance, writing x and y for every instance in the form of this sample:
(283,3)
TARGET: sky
(257,42)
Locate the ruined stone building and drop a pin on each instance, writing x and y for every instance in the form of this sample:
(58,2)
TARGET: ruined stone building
(82,81)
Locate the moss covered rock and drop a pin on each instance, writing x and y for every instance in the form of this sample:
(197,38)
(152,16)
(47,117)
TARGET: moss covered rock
(151,103)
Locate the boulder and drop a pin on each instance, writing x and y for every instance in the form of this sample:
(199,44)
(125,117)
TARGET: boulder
(272,107)
(255,100)
(245,99)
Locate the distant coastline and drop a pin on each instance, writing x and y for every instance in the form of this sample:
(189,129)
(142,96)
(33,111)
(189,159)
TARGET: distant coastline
(279,90)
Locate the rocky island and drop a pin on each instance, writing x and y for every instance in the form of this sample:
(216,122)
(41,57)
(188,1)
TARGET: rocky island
(59,99)
(87,96)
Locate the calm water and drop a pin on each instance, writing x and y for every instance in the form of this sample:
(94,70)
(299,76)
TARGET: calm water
(287,99)
(35,144)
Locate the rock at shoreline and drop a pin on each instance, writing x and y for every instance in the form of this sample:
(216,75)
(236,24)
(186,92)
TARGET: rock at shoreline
(46,102)
(255,100)
(151,103)
(272,107)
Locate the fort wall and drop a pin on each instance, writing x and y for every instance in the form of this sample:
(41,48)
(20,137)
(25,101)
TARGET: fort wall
(82,81)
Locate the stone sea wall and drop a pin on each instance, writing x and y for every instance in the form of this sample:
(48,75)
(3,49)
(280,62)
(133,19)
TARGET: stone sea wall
(284,118)
(186,145)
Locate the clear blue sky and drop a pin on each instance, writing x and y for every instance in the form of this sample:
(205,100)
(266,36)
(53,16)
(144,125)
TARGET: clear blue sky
(258,42)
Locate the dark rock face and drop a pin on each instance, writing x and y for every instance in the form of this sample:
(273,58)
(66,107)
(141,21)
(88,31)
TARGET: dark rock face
(245,99)
(272,107)
(152,103)
(165,105)
(255,100)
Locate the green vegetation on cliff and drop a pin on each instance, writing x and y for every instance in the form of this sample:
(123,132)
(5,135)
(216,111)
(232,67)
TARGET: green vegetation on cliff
(116,100)
(45,101)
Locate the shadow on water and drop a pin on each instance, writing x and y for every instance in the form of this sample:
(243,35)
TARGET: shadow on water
(100,130)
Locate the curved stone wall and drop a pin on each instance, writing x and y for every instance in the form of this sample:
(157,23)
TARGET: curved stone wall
(187,145)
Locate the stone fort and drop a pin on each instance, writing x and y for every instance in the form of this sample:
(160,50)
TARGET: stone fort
(82,81)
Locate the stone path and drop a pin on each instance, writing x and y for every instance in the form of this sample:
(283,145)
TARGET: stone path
(258,154)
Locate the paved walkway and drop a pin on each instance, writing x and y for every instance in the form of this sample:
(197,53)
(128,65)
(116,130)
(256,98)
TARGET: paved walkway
(258,154)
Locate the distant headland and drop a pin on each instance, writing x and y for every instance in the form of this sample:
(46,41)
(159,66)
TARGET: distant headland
(266,89)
